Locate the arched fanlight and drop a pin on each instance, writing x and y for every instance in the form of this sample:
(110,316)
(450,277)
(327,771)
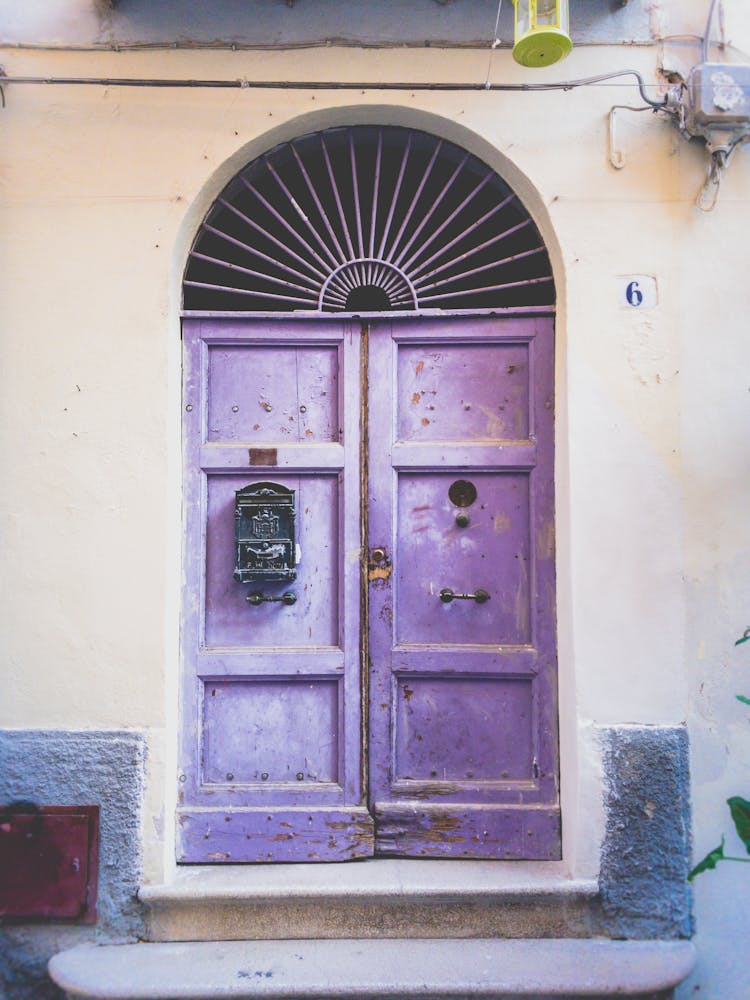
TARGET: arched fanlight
(542,32)
(369,218)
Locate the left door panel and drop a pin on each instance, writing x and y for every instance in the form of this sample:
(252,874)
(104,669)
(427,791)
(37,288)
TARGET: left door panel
(271,716)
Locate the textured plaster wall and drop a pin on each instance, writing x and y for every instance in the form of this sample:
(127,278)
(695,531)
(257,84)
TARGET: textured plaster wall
(100,192)
(54,767)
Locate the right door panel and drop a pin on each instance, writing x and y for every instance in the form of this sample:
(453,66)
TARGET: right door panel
(463,735)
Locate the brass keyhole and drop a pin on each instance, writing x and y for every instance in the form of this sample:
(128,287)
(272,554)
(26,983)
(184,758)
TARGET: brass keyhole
(378,555)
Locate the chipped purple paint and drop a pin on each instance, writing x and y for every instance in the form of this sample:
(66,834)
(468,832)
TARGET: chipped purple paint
(466,831)
(220,836)
(461,734)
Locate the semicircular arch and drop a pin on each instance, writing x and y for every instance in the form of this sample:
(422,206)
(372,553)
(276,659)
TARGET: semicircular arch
(367,218)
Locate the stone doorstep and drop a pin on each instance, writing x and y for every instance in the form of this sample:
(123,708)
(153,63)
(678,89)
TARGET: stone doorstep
(394,969)
(383,898)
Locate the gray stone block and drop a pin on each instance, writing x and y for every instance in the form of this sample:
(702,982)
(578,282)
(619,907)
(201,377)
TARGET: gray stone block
(646,849)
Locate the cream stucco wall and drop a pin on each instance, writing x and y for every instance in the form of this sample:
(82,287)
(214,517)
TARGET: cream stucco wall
(102,190)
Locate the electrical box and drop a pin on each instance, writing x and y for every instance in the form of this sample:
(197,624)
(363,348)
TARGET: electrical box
(48,862)
(719,97)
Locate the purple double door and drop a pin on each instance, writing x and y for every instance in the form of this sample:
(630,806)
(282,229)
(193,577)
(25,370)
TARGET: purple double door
(405,702)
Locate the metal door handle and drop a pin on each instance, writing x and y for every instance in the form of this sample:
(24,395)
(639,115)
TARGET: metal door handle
(256,598)
(447,595)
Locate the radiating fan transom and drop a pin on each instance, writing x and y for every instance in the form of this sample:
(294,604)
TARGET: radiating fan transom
(367,219)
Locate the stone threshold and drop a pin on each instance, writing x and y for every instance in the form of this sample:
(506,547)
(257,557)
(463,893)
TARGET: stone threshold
(368,899)
(375,970)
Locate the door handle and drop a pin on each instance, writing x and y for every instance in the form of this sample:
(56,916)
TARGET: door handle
(256,598)
(480,596)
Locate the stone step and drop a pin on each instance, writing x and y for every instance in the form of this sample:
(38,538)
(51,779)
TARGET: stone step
(358,969)
(383,898)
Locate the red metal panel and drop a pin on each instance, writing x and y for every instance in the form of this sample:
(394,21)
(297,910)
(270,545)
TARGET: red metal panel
(49,863)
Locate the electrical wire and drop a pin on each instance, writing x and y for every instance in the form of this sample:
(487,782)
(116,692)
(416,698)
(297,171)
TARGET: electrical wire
(707,32)
(708,195)
(245,84)
(616,157)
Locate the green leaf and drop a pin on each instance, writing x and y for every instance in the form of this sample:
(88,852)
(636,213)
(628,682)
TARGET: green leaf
(745,637)
(711,860)
(740,810)
(743,699)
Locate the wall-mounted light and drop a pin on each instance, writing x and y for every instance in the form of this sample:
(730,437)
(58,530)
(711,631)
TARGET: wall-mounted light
(542,35)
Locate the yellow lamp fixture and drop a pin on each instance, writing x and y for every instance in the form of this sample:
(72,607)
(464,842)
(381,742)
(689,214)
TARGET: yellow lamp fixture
(542,34)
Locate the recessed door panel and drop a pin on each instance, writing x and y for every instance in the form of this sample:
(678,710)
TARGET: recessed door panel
(268,732)
(477,549)
(271,392)
(314,619)
(444,393)
(489,720)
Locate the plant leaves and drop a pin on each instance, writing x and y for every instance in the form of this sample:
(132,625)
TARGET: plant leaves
(743,699)
(740,810)
(745,637)
(711,860)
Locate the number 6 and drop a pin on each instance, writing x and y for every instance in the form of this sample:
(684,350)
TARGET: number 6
(633,294)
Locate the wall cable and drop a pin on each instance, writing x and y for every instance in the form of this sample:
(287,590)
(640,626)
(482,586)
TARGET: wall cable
(709,193)
(718,163)
(707,33)
(616,156)
(157,82)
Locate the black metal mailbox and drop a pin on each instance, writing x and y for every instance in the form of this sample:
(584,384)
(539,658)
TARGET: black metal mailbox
(264,516)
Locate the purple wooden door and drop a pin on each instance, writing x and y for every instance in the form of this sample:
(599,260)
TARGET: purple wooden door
(271,729)
(455,487)
(463,737)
